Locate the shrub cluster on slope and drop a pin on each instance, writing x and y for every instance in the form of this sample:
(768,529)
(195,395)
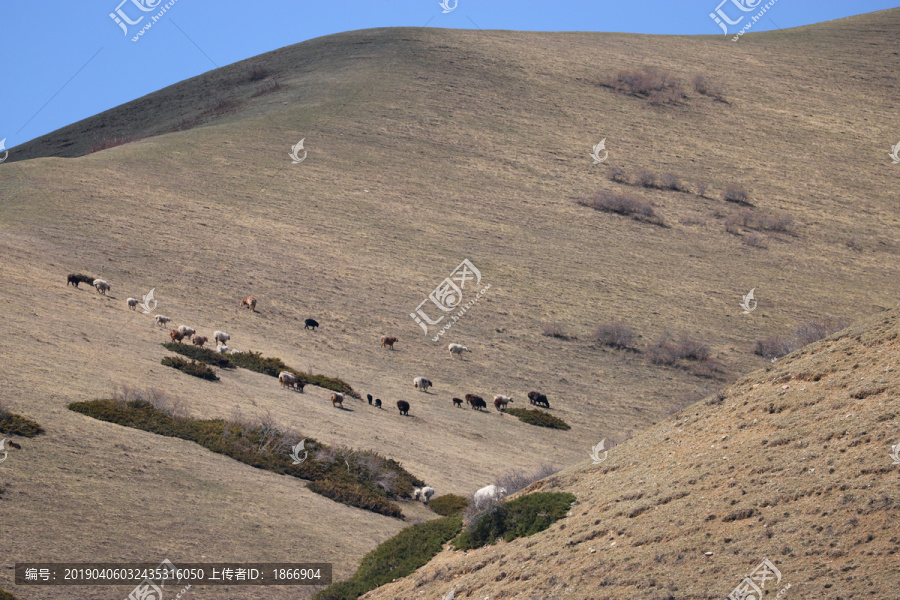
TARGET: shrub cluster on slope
(197,369)
(255,361)
(625,204)
(362,479)
(538,417)
(655,85)
(807,333)
(448,504)
(521,517)
(397,557)
(17,424)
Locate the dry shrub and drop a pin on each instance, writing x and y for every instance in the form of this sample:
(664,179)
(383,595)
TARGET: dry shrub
(736,194)
(256,71)
(756,240)
(670,181)
(773,347)
(617,174)
(625,204)
(517,479)
(646,178)
(161,400)
(701,186)
(783,222)
(816,329)
(615,335)
(272,86)
(554,330)
(702,86)
(667,351)
(656,85)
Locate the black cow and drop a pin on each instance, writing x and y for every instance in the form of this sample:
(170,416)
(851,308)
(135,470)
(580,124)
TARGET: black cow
(403,405)
(538,399)
(310,324)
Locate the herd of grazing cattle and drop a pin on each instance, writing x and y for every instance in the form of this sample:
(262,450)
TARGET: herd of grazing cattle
(288,379)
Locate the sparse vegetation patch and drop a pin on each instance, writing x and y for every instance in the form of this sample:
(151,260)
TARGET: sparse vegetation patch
(538,417)
(363,479)
(197,369)
(806,333)
(521,517)
(614,335)
(448,504)
(397,557)
(655,85)
(625,204)
(14,424)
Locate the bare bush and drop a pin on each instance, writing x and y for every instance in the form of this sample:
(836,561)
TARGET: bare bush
(781,221)
(756,240)
(667,351)
(816,329)
(670,181)
(702,86)
(161,400)
(256,71)
(691,348)
(662,351)
(554,330)
(701,187)
(646,178)
(616,335)
(736,194)
(773,347)
(516,479)
(656,85)
(625,204)
(617,174)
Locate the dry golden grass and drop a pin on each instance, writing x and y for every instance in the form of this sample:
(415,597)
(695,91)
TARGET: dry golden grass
(426,146)
(793,464)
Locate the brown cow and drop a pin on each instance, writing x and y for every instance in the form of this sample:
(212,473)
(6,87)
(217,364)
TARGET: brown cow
(457,402)
(176,335)
(198,340)
(337,398)
(249,302)
(388,341)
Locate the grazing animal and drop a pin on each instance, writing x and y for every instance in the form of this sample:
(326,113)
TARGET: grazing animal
(538,399)
(72,279)
(337,398)
(287,378)
(299,385)
(12,444)
(199,340)
(369,398)
(176,335)
(132,303)
(403,405)
(457,402)
(310,324)
(388,341)
(187,331)
(488,494)
(161,320)
(102,286)
(222,349)
(235,351)
(221,337)
(424,494)
(422,384)
(457,350)
(249,302)
(377,402)
(501,402)
(476,402)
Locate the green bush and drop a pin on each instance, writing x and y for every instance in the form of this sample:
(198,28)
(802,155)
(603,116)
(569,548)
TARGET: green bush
(521,517)
(354,494)
(197,369)
(18,425)
(448,504)
(363,479)
(210,357)
(397,557)
(255,361)
(538,417)
(4,595)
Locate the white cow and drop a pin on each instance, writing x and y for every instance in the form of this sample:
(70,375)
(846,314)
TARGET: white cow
(457,349)
(488,494)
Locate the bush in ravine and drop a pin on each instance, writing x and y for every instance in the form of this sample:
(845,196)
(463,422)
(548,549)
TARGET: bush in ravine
(14,424)
(448,504)
(521,517)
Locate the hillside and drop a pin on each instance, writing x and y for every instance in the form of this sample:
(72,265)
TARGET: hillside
(425,147)
(791,464)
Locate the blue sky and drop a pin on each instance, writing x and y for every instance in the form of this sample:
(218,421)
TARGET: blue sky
(65,61)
